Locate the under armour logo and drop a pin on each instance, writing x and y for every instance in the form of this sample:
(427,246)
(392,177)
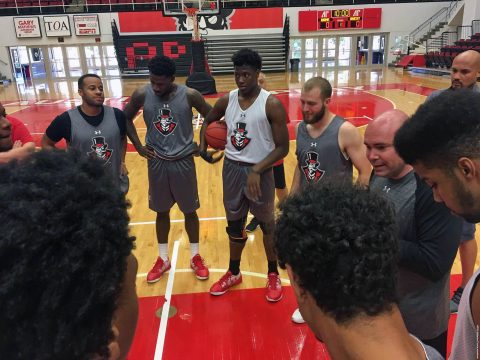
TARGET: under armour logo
(242,115)
(166,105)
(97,132)
(313,144)
(386,189)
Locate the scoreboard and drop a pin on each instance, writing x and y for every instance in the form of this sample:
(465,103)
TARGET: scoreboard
(339,19)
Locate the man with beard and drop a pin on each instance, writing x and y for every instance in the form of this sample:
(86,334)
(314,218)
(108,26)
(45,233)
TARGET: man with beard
(257,137)
(441,142)
(428,234)
(327,146)
(464,72)
(338,243)
(167,111)
(94,129)
(15,140)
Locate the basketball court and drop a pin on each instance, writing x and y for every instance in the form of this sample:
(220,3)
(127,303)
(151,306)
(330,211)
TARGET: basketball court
(178,317)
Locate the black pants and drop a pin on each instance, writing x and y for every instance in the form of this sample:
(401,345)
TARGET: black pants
(439,343)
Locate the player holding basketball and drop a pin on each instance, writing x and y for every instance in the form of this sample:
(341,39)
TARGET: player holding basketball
(167,111)
(327,145)
(257,137)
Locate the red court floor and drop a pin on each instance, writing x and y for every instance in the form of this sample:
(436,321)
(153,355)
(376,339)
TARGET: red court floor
(37,115)
(239,324)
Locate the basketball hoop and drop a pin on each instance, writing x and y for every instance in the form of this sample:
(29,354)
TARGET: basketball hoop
(192,15)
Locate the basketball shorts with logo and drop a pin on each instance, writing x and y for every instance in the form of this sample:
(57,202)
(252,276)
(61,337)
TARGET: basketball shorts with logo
(172,182)
(235,194)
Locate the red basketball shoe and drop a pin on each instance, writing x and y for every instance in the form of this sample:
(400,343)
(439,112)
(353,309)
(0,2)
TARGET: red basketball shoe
(274,291)
(226,282)
(157,270)
(198,266)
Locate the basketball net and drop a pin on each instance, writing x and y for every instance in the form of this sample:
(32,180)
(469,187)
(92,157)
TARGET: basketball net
(192,17)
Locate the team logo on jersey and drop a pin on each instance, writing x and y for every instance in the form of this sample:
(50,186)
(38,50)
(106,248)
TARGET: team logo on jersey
(164,123)
(312,170)
(100,149)
(239,138)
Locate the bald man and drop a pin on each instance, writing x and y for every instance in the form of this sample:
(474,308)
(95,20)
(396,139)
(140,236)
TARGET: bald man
(465,70)
(428,233)
(15,140)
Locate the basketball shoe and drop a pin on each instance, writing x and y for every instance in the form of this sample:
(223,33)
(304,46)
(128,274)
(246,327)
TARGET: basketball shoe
(274,291)
(226,282)
(198,266)
(253,225)
(297,318)
(157,270)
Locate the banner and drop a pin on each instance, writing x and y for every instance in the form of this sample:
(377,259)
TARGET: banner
(27,27)
(86,25)
(57,25)
(228,19)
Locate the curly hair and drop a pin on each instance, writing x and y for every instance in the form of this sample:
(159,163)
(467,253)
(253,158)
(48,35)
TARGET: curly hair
(83,77)
(340,241)
(162,66)
(247,57)
(442,130)
(63,257)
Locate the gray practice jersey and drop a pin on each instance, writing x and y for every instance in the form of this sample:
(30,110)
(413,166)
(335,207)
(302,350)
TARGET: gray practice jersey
(102,141)
(321,157)
(169,124)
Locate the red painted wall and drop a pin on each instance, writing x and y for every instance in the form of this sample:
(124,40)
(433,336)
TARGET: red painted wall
(149,21)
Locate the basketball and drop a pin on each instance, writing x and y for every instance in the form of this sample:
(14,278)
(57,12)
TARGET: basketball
(216,135)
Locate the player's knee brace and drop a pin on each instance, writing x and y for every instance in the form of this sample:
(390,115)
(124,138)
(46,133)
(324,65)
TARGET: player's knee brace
(236,231)
(267,227)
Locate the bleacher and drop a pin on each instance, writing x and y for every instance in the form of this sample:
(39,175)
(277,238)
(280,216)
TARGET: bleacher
(442,50)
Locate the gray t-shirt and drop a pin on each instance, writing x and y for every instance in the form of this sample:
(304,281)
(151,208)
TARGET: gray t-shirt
(428,240)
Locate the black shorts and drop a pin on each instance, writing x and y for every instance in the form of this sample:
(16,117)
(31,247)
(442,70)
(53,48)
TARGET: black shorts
(279,176)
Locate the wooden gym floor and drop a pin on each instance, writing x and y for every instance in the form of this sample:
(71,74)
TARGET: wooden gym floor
(359,96)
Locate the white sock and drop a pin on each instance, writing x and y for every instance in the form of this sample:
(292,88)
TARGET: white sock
(194,248)
(163,251)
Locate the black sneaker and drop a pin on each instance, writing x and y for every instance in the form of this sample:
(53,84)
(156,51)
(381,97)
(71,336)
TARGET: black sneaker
(457,295)
(253,225)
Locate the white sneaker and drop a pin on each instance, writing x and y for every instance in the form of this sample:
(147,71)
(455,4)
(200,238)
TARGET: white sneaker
(297,317)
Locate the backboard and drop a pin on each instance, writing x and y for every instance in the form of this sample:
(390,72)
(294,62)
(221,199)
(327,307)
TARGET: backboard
(176,7)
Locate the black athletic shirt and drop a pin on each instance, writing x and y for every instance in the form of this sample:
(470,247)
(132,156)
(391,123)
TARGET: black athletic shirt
(61,126)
